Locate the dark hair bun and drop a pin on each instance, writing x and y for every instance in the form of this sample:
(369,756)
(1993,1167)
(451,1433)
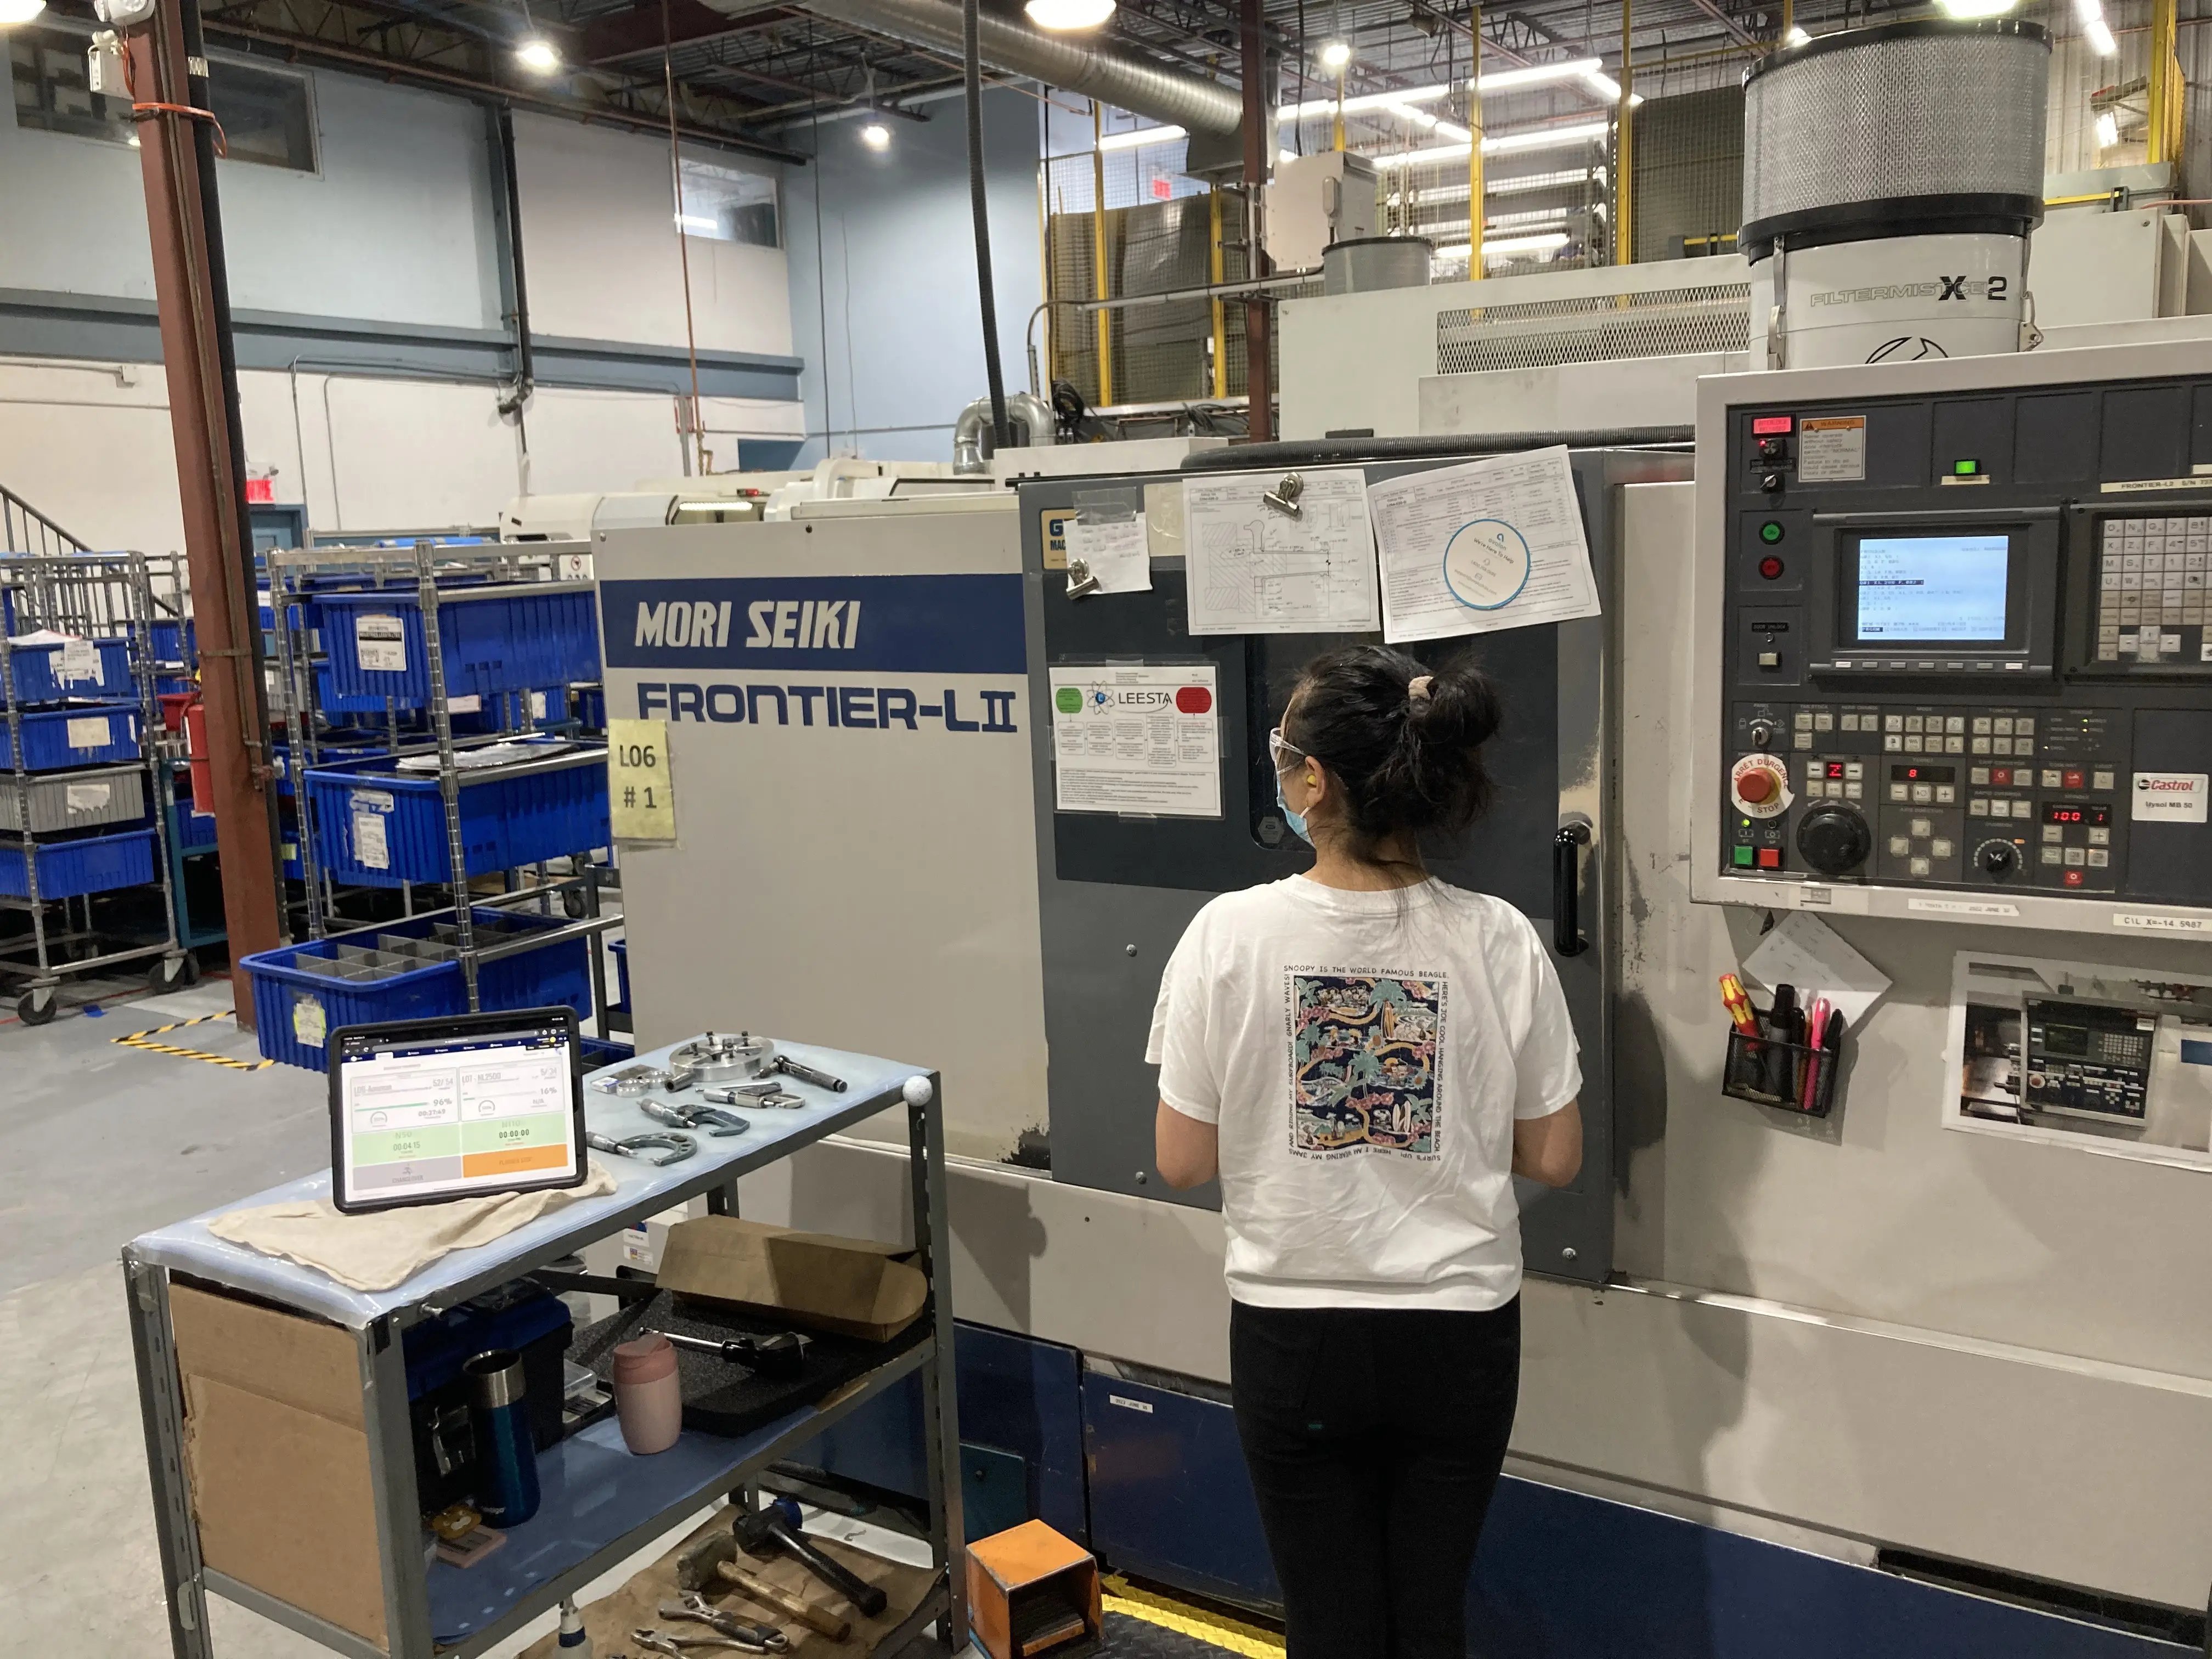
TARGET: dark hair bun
(1404,739)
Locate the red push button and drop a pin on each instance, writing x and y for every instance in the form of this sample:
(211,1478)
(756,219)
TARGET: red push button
(1757,785)
(2073,878)
(1770,857)
(2000,776)
(2073,781)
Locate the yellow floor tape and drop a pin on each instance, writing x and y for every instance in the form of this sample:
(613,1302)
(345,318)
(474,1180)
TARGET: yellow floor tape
(142,1040)
(1215,1629)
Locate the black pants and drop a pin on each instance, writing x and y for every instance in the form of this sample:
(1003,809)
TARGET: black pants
(1374,1436)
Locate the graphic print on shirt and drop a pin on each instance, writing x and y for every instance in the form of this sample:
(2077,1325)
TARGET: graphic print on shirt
(1363,1051)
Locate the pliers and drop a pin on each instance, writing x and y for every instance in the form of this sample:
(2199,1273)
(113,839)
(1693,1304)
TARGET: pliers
(752,1637)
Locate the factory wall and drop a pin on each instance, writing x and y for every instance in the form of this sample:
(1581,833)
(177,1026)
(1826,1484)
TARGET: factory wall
(89,444)
(589,194)
(385,258)
(396,227)
(883,275)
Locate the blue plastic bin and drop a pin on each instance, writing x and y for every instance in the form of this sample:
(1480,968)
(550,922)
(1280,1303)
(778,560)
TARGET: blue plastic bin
(296,1008)
(67,868)
(175,641)
(75,734)
(38,669)
(509,817)
(507,638)
(194,829)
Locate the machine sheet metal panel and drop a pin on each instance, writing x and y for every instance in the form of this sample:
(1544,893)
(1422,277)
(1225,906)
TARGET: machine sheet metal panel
(1116,892)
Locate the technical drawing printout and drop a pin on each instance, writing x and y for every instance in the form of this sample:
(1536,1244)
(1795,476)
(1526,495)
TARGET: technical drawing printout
(1482,546)
(1255,570)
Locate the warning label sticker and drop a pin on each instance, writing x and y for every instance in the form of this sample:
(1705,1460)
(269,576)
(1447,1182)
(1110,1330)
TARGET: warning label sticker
(1831,449)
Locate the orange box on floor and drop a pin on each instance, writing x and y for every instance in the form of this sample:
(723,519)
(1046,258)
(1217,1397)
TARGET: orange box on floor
(1031,1590)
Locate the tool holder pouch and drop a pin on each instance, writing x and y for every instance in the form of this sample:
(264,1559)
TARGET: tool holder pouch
(1793,1076)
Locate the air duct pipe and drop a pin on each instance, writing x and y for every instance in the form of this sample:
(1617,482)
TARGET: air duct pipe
(1030,423)
(1162,95)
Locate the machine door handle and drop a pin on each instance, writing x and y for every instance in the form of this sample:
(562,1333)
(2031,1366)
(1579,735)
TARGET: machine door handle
(1566,888)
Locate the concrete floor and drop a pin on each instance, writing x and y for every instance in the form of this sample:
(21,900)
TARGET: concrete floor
(98,1144)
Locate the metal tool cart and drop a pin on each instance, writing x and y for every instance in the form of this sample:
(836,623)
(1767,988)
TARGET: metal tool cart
(392,636)
(600,1504)
(83,791)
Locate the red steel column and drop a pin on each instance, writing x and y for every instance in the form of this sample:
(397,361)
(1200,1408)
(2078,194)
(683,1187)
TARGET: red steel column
(177,150)
(1259,370)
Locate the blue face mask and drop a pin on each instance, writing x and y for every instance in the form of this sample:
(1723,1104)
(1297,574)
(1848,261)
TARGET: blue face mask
(1296,820)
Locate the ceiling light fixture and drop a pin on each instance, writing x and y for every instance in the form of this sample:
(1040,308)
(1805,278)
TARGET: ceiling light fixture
(1608,89)
(2090,14)
(1504,144)
(1969,9)
(874,134)
(1537,75)
(1796,36)
(1140,137)
(538,55)
(20,11)
(1335,54)
(1061,15)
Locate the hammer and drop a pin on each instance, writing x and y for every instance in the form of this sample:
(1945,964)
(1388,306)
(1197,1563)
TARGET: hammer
(711,1564)
(755,1529)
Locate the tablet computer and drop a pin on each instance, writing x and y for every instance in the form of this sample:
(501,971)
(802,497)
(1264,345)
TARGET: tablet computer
(424,1111)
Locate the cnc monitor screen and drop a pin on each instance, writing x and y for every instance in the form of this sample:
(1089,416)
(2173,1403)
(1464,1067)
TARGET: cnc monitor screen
(1942,589)
(425,1110)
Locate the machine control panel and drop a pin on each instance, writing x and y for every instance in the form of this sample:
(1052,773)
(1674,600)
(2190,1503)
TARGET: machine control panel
(1967,644)
(2088,1060)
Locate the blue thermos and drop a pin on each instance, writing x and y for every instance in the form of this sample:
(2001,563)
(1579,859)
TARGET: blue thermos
(506,1457)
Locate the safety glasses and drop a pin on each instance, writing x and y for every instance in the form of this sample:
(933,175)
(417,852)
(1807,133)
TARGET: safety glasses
(1283,752)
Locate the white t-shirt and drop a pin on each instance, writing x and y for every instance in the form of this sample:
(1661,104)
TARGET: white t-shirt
(1366,1055)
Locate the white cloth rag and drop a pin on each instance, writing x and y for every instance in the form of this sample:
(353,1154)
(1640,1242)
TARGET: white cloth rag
(374,1252)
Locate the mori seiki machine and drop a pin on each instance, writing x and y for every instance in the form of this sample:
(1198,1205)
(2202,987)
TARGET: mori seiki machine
(1957,656)
(1117,886)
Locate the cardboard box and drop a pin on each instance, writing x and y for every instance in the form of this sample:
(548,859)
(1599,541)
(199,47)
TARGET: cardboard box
(276,1457)
(1031,1590)
(853,1286)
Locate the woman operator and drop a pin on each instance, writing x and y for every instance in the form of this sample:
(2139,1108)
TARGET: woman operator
(1366,1057)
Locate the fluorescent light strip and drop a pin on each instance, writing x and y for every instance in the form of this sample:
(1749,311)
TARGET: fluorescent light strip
(2099,37)
(1508,246)
(1516,185)
(1320,108)
(1141,137)
(1538,75)
(1510,144)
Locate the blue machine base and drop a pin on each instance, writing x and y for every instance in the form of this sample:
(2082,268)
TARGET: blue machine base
(1559,1576)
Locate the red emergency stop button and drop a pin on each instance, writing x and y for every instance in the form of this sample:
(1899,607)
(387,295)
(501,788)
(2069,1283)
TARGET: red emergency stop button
(1757,785)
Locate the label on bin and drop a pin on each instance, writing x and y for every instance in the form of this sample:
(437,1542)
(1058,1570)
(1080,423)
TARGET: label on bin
(79,660)
(88,797)
(309,1023)
(468,705)
(380,641)
(90,732)
(372,847)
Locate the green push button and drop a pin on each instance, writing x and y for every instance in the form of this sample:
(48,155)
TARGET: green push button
(1770,532)
(1966,468)
(1743,858)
